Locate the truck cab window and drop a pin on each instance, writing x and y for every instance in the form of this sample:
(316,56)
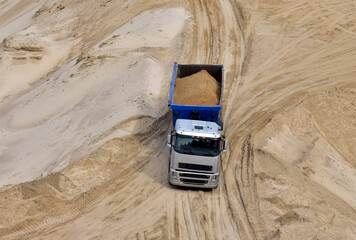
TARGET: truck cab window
(197,146)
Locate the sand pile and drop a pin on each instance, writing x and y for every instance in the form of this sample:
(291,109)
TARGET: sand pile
(197,89)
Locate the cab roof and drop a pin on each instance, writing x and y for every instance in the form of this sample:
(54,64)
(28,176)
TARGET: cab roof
(197,128)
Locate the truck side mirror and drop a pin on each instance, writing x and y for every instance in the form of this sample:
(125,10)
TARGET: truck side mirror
(169,141)
(225,146)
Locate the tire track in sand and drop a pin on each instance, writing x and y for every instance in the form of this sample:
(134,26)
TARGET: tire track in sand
(221,208)
(87,200)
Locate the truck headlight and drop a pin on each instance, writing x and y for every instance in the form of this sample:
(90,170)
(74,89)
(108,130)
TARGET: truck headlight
(215,178)
(174,175)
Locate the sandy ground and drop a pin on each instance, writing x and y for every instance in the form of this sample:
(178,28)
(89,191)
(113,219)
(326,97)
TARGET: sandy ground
(84,117)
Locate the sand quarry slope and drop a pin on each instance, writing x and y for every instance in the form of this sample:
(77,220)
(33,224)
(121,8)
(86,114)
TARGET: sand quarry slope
(84,117)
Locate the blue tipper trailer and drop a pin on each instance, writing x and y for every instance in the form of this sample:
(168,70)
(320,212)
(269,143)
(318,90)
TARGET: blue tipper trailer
(204,113)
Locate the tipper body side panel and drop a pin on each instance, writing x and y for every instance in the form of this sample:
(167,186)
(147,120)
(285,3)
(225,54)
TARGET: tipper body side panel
(204,113)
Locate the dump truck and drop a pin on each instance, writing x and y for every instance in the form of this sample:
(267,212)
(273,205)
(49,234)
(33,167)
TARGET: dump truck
(196,141)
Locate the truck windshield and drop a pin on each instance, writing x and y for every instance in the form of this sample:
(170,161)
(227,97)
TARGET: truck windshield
(197,146)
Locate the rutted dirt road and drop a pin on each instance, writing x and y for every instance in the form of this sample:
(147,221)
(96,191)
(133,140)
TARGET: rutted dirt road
(289,114)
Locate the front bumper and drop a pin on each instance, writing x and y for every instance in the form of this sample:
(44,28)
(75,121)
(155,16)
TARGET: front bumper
(193,179)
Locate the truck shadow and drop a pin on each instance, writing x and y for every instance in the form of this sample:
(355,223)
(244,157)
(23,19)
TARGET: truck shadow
(157,162)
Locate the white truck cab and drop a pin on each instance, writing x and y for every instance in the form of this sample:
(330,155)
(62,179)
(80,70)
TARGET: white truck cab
(195,153)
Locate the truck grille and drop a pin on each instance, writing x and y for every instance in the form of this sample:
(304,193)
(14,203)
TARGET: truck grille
(194,175)
(193,181)
(195,166)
